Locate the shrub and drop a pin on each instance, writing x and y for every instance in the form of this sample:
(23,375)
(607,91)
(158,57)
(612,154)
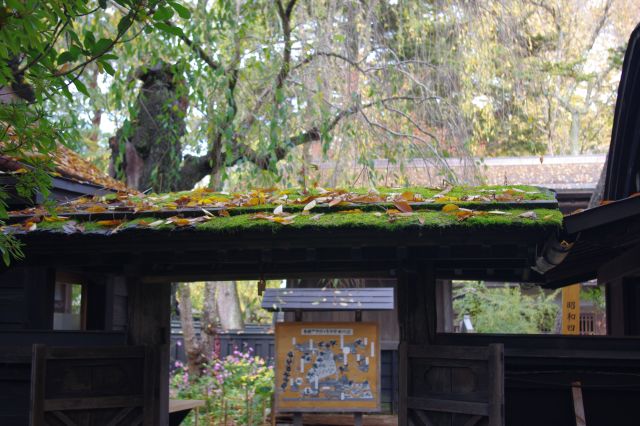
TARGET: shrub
(236,389)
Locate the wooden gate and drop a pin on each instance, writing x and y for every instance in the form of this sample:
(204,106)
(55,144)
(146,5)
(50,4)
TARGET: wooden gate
(451,385)
(91,386)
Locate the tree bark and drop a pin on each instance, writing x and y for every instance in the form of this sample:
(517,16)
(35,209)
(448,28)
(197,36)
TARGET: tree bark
(192,345)
(209,320)
(147,151)
(229,306)
(598,193)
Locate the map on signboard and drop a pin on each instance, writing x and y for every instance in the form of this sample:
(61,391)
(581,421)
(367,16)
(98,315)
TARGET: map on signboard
(327,367)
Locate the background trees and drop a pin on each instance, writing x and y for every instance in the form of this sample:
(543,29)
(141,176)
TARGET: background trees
(262,91)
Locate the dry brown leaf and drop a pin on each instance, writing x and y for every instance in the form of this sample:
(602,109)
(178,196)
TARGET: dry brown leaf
(403,206)
(316,216)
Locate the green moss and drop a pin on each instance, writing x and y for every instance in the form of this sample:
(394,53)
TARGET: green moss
(546,218)
(369,220)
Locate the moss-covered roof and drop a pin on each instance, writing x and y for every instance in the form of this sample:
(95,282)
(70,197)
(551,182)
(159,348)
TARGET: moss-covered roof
(274,209)
(67,164)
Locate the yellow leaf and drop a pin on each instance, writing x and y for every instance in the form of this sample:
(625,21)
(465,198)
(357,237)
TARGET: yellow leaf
(21,170)
(463,214)
(407,196)
(96,209)
(110,223)
(179,221)
(55,218)
(450,208)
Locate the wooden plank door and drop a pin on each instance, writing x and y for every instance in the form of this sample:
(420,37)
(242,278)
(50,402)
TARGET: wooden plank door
(74,386)
(451,385)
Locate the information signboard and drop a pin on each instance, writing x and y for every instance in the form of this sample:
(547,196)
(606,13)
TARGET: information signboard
(327,366)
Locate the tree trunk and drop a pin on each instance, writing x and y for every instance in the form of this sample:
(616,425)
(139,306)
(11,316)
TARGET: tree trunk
(147,151)
(574,135)
(192,345)
(229,306)
(209,320)
(598,193)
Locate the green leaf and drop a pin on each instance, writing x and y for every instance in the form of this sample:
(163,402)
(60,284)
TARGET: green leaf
(81,87)
(65,57)
(163,13)
(101,46)
(107,67)
(170,29)
(183,12)
(89,40)
(124,24)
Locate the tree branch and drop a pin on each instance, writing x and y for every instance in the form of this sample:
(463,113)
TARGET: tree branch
(214,65)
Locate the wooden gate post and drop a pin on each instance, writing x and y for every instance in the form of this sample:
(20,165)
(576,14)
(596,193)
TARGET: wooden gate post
(149,325)
(417,319)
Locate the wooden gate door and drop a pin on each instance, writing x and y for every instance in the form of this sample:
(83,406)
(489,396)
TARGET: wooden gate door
(451,385)
(91,386)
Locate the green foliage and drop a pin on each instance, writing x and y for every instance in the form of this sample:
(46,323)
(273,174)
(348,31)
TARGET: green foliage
(236,389)
(595,295)
(505,309)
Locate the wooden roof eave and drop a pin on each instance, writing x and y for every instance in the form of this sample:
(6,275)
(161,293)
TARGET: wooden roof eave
(596,236)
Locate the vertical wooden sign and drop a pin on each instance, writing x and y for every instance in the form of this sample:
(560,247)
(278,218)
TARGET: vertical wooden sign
(571,309)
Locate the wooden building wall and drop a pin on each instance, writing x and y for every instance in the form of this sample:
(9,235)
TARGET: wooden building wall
(26,299)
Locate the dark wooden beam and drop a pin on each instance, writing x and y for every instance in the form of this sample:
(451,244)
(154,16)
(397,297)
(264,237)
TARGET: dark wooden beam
(625,265)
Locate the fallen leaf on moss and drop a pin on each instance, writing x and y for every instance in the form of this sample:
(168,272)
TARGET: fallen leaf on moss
(55,218)
(352,211)
(407,196)
(310,205)
(450,208)
(96,209)
(110,223)
(403,206)
(316,216)
(528,215)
